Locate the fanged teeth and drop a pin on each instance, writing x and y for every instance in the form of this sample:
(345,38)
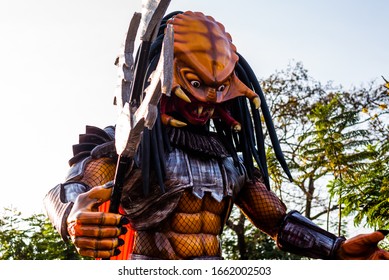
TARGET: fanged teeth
(257,102)
(169,120)
(200,110)
(177,123)
(237,127)
(181,94)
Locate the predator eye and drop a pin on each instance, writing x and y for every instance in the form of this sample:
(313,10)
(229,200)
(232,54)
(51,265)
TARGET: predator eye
(221,88)
(195,83)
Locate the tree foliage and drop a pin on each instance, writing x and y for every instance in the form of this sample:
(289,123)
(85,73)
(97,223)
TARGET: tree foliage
(327,134)
(31,238)
(335,146)
(367,194)
(335,143)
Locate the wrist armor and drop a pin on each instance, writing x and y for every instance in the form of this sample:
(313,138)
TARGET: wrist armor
(58,203)
(301,236)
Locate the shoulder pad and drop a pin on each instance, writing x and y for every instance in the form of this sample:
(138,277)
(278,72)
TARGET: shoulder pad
(95,142)
(77,169)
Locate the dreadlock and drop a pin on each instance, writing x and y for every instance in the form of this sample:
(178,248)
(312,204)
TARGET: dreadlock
(249,141)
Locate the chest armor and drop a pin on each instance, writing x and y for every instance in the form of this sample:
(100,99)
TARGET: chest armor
(219,177)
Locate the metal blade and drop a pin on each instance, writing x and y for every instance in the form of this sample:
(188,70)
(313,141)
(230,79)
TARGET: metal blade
(125,63)
(130,125)
(152,13)
(160,83)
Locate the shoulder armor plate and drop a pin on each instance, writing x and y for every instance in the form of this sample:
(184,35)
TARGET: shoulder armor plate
(94,142)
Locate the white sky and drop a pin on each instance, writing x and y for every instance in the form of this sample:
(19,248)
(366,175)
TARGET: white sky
(57,73)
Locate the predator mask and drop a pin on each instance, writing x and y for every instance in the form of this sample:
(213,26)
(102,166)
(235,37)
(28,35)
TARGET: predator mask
(203,77)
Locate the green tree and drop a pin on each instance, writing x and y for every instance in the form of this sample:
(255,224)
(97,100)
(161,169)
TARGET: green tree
(31,238)
(366,195)
(299,105)
(335,145)
(292,95)
(294,98)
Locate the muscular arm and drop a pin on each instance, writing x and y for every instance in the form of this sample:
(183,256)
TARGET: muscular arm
(292,232)
(295,233)
(99,172)
(262,207)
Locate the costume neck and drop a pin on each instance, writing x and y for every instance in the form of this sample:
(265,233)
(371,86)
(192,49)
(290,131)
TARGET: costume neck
(197,140)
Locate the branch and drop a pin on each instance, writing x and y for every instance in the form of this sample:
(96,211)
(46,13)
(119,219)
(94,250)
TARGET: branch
(335,207)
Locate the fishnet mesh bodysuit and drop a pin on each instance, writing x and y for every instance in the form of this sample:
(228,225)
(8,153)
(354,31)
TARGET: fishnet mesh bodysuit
(193,227)
(191,230)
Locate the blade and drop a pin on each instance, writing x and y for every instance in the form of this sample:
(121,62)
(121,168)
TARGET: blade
(160,82)
(152,13)
(130,125)
(125,63)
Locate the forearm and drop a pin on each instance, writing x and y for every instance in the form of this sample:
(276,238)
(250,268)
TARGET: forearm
(58,203)
(301,236)
(262,207)
(292,232)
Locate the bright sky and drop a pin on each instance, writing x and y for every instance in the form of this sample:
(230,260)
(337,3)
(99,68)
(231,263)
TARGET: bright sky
(57,73)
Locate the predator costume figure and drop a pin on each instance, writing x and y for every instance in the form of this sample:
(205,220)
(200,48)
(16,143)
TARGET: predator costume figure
(204,154)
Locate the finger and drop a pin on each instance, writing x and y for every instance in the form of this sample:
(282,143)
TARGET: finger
(97,244)
(379,254)
(373,238)
(104,254)
(101,193)
(98,218)
(95,231)
(383,255)
(383,231)
(93,198)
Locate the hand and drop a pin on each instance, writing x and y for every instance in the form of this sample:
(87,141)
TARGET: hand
(95,234)
(364,247)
